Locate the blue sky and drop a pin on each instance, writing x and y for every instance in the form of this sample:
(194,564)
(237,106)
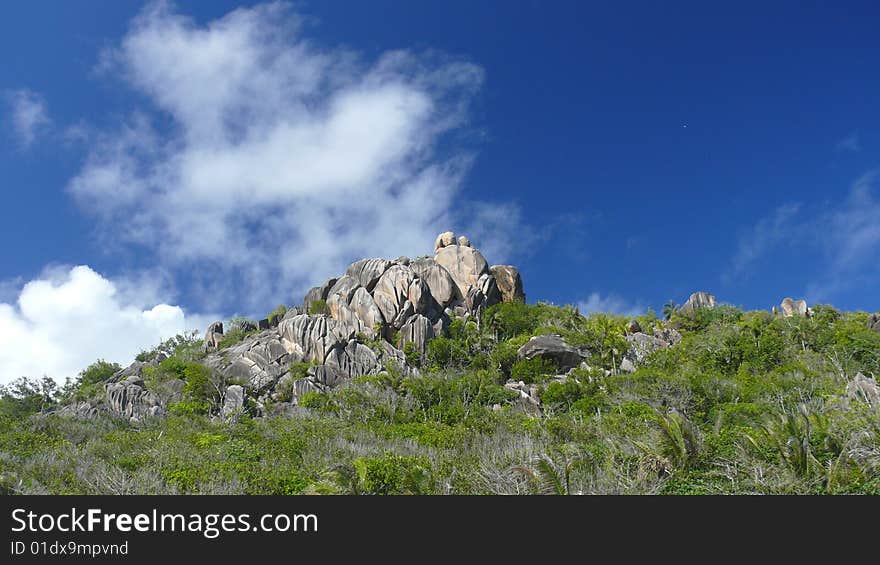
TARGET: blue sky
(166,164)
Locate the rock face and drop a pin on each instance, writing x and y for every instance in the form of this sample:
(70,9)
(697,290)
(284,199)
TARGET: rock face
(553,348)
(444,239)
(865,389)
(438,279)
(233,403)
(372,302)
(874,322)
(509,282)
(213,336)
(465,264)
(129,399)
(791,308)
(417,331)
(641,345)
(698,300)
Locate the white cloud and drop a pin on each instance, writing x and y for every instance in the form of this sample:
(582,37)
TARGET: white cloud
(782,228)
(841,240)
(28,114)
(68,318)
(610,304)
(283,161)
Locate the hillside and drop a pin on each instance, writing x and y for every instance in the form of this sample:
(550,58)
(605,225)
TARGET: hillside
(433,375)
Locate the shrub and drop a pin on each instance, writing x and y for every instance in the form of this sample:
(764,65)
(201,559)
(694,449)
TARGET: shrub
(393,474)
(533,370)
(318,308)
(276,315)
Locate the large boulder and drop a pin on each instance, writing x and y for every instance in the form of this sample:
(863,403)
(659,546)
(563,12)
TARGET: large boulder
(317,293)
(482,295)
(791,308)
(444,239)
(553,348)
(696,301)
(233,402)
(509,283)
(256,362)
(465,264)
(865,389)
(641,345)
(438,279)
(213,336)
(399,291)
(874,322)
(365,308)
(367,271)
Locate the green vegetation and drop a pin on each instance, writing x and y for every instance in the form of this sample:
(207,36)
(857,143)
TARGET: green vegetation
(237,329)
(319,307)
(277,314)
(747,402)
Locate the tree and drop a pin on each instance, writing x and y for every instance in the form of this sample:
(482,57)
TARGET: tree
(669,309)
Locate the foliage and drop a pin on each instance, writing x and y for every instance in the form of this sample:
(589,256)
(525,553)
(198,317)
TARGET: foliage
(275,315)
(319,307)
(746,403)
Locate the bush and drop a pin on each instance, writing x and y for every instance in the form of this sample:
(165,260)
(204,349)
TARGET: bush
(276,315)
(533,370)
(393,474)
(319,308)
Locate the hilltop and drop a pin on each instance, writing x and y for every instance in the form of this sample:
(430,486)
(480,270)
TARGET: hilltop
(434,375)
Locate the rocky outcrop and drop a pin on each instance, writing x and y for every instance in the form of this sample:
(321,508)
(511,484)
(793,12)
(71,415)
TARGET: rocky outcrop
(509,282)
(874,322)
(438,279)
(129,399)
(552,348)
(696,301)
(349,336)
(641,345)
(233,402)
(444,239)
(791,308)
(317,293)
(865,389)
(213,336)
(417,331)
(367,271)
(257,362)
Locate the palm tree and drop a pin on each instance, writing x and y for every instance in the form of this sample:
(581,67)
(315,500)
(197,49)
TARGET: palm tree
(669,309)
(679,444)
(550,473)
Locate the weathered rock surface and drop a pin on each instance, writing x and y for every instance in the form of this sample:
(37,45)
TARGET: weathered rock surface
(641,345)
(444,239)
(438,279)
(864,388)
(418,330)
(130,399)
(213,336)
(233,402)
(874,322)
(367,271)
(317,293)
(553,348)
(509,282)
(465,264)
(696,301)
(791,308)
